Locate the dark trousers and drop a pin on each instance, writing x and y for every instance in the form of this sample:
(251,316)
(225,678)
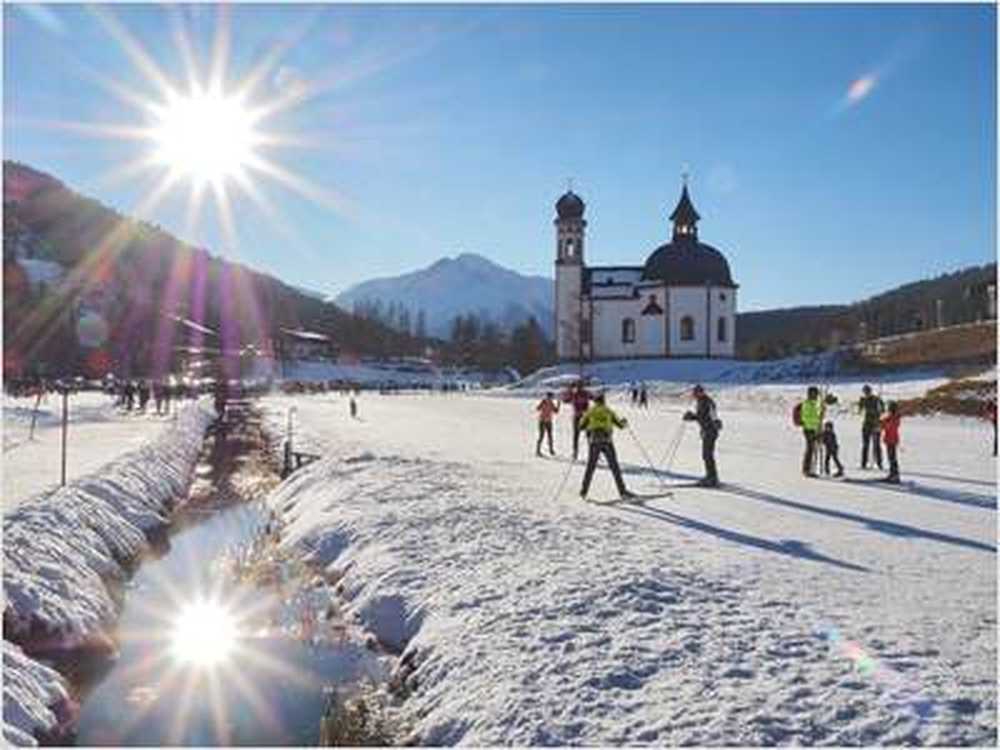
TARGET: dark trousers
(893,463)
(870,434)
(598,447)
(708,455)
(576,434)
(807,458)
(544,429)
(831,455)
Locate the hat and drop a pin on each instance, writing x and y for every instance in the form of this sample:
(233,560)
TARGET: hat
(697,389)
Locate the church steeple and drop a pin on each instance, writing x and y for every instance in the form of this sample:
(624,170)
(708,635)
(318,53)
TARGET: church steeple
(685,218)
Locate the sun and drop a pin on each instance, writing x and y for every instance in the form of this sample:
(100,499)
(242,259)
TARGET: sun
(205,136)
(204,634)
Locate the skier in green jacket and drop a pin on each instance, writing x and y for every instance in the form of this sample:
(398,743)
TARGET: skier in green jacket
(599,423)
(811,413)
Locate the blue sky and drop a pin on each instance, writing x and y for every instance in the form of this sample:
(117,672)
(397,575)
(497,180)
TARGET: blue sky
(454,129)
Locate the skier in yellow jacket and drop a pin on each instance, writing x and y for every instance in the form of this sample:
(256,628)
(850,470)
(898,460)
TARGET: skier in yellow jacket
(812,414)
(599,422)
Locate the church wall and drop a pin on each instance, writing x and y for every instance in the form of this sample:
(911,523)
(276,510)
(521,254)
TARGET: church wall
(568,282)
(608,316)
(687,301)
(723,308)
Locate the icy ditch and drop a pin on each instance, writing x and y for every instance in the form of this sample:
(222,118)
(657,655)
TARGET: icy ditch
(520,623)
(176,673)
(60,552)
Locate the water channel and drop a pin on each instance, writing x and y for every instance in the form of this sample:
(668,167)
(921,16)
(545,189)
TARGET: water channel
(208,658)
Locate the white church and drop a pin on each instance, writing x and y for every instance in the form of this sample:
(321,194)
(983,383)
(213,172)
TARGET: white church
(680,303)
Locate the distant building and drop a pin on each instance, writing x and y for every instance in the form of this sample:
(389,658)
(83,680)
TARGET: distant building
(299,344)
(680,303)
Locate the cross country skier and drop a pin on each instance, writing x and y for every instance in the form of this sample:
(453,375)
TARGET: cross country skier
(599,422)
(811,412)
(547,408)
(708,420)
(831,448)
(580,398)
(872,407)
(890,434)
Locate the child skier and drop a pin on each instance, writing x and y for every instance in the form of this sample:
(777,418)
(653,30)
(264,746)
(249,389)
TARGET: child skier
(599,422)
(547,408)
(890,436)
(831,448)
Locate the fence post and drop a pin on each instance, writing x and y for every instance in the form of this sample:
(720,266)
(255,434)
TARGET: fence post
(65,429)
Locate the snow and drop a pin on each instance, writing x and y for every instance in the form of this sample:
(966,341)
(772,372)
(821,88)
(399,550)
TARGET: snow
(401,373)
(821,368)
(61,549)
(98,432)
(30,690)
(775,610)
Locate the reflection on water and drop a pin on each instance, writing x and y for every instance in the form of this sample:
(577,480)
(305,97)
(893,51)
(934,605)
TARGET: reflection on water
(204,661)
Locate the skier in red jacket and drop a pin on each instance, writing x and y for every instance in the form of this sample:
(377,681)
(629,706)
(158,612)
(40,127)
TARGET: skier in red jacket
(580,398)
(890,436)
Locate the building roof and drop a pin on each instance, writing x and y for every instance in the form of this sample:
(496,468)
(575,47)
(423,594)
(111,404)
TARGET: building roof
(685,213)
(687,262)
(570,206)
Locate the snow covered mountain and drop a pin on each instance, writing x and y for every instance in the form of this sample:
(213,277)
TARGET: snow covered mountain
(468,283)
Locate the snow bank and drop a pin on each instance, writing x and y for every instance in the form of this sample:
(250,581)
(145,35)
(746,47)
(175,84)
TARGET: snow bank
(35,700)
(60,549)
(823,367)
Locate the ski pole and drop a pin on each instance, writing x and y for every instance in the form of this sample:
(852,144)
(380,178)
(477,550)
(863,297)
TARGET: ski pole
(562,484)
(671,451)
(645,455)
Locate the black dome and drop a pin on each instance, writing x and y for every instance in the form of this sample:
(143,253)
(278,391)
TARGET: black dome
(687,262)
(570,206)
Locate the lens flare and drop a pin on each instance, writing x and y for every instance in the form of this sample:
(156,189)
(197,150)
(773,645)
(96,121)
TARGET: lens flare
(205,634)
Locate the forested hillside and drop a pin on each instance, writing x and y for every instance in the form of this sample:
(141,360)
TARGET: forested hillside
(87,289)
(963,296)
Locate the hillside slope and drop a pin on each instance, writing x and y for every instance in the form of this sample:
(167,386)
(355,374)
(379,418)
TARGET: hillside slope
(106,309)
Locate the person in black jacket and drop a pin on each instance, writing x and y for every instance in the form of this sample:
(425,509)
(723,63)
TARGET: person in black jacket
(871,407)
(707,419)
(831,448)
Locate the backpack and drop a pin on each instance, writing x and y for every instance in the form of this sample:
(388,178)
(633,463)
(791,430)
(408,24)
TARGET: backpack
(797,415)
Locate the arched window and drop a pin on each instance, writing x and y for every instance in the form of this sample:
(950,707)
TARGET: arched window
(569,248)
(687,328)
(722,329)
(628,331)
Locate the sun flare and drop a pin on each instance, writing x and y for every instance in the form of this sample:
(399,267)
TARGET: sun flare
(205,136)
(204,634)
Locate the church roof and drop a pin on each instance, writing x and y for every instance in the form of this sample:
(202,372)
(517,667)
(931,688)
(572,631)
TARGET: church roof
(570,206)
(687,262)
(684,213)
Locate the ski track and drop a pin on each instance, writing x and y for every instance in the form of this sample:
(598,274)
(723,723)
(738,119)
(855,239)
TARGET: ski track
(773,611)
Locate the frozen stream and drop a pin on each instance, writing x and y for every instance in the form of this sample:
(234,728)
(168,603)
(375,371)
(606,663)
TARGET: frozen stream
(207,660)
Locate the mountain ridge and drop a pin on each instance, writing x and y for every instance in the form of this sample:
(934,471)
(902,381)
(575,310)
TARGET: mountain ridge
(468,283)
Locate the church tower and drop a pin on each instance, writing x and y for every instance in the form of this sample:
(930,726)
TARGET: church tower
(570,329)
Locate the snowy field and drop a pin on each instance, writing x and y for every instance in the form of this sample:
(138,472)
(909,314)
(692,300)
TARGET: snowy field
(98,432)
(775,610)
